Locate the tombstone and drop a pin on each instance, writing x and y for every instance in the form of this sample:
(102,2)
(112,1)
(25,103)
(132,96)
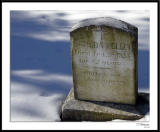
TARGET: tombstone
(104,68)
(104,60)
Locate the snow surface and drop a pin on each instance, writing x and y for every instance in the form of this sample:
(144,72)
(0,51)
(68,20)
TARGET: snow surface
(37,95)
(41,74)
(46,24)
(105,21)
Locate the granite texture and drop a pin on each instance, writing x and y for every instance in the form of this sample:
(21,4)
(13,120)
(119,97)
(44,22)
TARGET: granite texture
(79,110)
(106,21)
(104,60)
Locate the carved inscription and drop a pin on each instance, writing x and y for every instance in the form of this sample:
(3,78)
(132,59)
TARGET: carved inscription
(98,61)
(104,62)
(96,77)
(81,52)
(104,55)
(116,46)
(96,54)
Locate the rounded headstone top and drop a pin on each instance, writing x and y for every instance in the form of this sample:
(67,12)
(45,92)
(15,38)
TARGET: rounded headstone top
(106,21)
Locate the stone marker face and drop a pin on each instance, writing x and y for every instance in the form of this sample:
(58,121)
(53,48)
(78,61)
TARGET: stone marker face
(104,60)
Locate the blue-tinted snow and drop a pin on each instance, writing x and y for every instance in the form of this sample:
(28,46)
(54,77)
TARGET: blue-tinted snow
(41,74)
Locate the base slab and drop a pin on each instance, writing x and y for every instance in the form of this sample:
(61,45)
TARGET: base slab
(79,110)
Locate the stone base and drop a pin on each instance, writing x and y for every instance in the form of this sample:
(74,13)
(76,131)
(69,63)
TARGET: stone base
(78,110)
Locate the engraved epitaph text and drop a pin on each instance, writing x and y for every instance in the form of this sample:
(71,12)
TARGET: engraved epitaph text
(104,63)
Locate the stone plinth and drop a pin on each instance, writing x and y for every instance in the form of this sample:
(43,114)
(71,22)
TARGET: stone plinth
(104,60)
(78,110)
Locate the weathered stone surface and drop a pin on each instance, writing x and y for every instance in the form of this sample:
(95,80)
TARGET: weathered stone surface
(77,110)
(104,60)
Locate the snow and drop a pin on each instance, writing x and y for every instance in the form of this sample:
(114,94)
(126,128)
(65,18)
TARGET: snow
(105,21)
(40,74)
(58,23)
(37,95)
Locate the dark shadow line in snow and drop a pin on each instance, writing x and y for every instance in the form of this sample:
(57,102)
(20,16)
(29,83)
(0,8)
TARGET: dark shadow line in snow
(145,19)
(122,11)
(27,53)
(37,24)
(43,88)
(27,111)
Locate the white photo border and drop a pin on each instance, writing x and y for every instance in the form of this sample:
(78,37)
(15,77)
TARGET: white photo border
(132,125)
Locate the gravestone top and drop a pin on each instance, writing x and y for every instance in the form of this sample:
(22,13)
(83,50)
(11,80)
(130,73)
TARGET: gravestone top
(106,21)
